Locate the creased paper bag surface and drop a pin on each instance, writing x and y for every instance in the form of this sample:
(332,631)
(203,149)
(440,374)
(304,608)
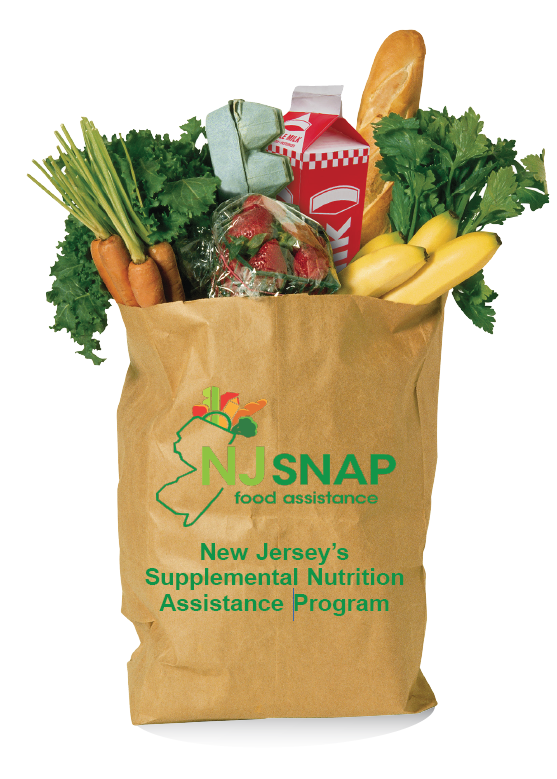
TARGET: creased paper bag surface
(277,574)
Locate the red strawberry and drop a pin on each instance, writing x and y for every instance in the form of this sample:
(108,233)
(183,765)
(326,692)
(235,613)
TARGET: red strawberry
(309,263)
(251,201)
(270,258)
(256,221)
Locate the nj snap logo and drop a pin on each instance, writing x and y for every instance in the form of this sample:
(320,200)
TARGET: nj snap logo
(216,423)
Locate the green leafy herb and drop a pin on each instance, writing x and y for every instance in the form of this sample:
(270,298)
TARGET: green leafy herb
(443,163)
(535,165)
(145,187)
(469,143)
(472,297)
(147,172)
(80,297)
(175,190)
(440,163)
(498,202)
(400,211)
(529,180)
(189,197)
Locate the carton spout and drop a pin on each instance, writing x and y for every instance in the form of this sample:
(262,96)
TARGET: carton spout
(318,100)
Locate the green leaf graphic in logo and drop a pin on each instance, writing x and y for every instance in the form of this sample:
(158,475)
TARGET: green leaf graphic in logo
(246,427)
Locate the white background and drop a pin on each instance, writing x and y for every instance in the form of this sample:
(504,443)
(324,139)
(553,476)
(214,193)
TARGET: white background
(489,651)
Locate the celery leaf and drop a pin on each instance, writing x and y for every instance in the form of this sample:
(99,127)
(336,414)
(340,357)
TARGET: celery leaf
(472,297)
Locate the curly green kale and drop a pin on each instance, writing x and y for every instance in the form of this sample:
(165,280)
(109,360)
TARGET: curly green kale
(174,180)
(172,189)
(80,297)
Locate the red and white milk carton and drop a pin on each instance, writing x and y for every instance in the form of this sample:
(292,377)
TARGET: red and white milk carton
(329,161)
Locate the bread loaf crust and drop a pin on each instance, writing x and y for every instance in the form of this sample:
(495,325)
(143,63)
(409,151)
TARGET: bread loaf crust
(393,86)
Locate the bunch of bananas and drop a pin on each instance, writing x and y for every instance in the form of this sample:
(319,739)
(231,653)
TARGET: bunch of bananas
(430,264)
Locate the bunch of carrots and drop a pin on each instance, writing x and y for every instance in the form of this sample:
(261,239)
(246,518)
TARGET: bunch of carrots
(135,271)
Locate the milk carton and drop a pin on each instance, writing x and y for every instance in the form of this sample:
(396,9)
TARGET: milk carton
(329,161)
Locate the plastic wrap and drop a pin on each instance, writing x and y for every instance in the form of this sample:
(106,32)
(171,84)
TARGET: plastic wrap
(259,246)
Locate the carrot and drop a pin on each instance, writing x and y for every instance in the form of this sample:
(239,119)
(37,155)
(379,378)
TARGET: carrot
(163,255)
(103,273)
(116,259)
(249,409)
(146,283)
(93,193)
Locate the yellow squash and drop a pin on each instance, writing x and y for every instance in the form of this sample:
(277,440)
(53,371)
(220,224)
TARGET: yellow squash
(436,232)
(450,265)
(379,242)
(378,272)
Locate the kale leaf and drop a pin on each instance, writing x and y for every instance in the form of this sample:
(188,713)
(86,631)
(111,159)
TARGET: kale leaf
(80,297)
(174,187)
(189,197)
(171,187)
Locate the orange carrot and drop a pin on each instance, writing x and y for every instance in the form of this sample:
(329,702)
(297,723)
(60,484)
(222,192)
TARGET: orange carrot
(163,255)
(249,409)
(103,273)
(146,283)
(116,260)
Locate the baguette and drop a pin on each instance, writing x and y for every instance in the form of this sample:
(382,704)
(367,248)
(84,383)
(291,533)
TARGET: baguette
(393,86)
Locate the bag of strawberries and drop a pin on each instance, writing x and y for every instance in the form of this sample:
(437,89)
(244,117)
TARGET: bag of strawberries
(260,246)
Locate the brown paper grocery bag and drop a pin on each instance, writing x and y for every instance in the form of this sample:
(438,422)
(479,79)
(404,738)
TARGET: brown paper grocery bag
(273,567)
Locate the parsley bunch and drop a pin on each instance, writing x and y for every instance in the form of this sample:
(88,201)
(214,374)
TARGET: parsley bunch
(440,163)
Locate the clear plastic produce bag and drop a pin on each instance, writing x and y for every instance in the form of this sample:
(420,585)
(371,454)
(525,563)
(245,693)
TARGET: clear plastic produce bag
(260,246)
